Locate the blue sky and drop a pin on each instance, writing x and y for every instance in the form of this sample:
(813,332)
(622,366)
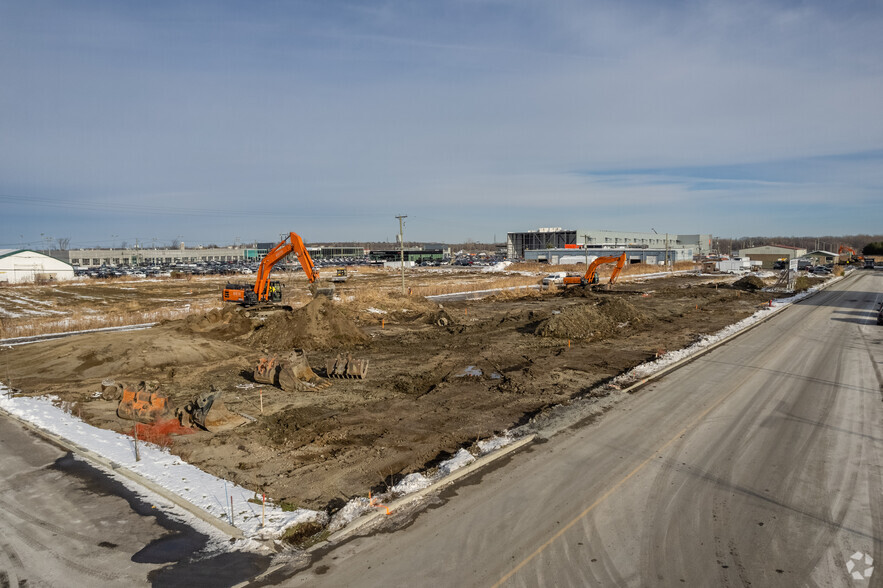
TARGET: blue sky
(217,121)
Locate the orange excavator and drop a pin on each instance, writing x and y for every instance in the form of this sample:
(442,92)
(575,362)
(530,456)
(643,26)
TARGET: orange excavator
(854,257)
(591,276)
(266,290)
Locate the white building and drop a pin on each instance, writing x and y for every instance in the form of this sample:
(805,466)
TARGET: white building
(19,266)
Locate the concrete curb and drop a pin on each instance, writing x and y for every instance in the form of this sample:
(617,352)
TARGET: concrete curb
(680,363)
(435,486)
(370,517)
(116,468)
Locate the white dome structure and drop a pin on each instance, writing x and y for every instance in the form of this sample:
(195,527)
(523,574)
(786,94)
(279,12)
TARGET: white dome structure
(19,266)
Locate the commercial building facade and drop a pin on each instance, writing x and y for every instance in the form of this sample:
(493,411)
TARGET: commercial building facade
(568,256)
(518,243)
(89,258)
(770,254)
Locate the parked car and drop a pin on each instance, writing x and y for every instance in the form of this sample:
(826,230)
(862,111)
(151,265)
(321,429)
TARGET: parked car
(555,278)
(821,271)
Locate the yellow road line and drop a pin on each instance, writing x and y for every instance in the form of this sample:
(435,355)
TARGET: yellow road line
(607,494)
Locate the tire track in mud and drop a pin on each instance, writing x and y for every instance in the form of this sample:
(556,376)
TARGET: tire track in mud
(38,546)
(12,571)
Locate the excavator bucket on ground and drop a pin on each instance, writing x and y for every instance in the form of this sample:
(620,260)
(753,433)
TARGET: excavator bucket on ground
(296,375)
(347,367)
(292,373)
(209,412)
(267,371)
(142,406)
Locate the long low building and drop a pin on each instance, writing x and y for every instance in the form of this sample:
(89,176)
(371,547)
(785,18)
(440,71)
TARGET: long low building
(91,258)
(556,237)
(88,258)
(568,256)
(18,266)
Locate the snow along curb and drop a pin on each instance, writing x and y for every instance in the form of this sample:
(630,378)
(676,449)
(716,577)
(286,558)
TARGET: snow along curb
(365,519)
(435,486)
(690,358)
(116,468)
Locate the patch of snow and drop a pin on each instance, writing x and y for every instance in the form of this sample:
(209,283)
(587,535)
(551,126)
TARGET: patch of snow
(375,310)
(497,267)
(350,512)
(461,459)
(486,446)
(411,483)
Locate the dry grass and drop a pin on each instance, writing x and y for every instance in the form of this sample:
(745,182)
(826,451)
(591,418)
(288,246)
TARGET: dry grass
(488,284)
(79,320)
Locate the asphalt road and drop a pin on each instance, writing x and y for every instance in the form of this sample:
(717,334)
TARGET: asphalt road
(66,523)
(761,463)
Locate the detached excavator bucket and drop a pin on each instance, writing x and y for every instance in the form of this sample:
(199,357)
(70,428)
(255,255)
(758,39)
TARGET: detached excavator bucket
(209,412)
(142,406)
(296,375)
(347,367)
(267,371)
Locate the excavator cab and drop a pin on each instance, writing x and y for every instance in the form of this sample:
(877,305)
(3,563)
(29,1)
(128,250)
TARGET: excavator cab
(274,292)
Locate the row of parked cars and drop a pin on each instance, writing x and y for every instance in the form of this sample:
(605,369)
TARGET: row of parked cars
(250,267)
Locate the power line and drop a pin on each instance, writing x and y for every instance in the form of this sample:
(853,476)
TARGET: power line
(115,206)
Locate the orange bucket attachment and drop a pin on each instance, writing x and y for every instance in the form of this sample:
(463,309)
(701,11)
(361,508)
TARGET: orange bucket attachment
(142,406)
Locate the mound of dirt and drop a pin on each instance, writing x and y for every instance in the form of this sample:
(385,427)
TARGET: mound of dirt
(749,283)
(591,321)
(318,325)
(220,323)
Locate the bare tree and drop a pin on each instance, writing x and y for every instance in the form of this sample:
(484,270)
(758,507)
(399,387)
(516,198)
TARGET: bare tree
(63,243)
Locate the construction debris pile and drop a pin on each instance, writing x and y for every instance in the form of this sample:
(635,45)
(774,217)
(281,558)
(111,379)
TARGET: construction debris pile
(318,325)
(598,320)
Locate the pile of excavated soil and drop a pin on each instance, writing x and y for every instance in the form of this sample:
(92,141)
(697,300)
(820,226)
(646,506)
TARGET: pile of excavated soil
(591,321)
(220,323)
(318,325)
(749,283)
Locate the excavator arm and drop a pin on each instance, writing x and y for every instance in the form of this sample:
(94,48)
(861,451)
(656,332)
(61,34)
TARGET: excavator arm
(620,263)
(291,244)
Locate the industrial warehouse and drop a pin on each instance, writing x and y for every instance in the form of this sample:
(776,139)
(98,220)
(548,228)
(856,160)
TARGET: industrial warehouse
(558,246)
(18,266)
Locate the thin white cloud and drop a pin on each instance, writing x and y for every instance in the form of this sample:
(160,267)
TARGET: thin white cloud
(460,102)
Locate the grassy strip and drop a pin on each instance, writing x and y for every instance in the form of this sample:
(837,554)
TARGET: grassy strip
(79,320)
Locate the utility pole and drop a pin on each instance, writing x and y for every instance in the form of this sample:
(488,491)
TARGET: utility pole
(402,218)
(586,248)
(667,262)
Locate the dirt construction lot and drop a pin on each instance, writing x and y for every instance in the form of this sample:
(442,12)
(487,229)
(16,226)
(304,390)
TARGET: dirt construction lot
(439,378)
